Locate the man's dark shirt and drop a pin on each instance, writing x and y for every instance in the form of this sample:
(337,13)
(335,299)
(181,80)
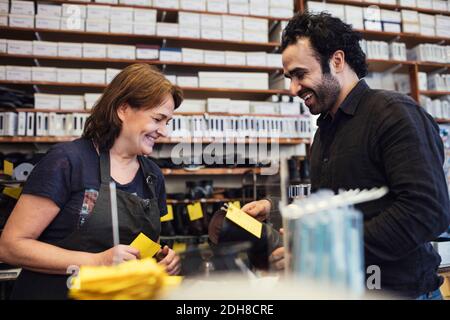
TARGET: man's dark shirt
(383,138)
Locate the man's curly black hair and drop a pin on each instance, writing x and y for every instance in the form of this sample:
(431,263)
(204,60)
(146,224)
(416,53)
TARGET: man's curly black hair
(327,34)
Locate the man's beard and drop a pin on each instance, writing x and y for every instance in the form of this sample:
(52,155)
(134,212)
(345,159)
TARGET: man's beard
(325,94)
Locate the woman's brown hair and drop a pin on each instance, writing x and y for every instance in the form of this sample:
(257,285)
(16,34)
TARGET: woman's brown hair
(138,85)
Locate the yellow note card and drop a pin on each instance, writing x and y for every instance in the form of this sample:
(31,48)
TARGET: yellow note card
(146,246)
(8,168)
(244,220)
(237,204)
(169,215)
(179,247)
(195,211)
(13,192)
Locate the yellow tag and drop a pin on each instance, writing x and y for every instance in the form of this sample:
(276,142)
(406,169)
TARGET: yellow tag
(8,168)
(179,247)
(13,192)
(146,246)
(244,220)
(237,204)
(169,215)
(195,211)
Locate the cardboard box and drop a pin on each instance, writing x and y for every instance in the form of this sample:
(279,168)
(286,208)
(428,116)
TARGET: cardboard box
(121,27)
(391,16)
(256,59)
(411,27)
(144,28)
(96,12)
(259,10)
(192,105)
(235,58)
(427,20)
(189,19)
(93,76)
(97,25)
(212,21)
(232,35)
(373,25)
(43,74)
(170,54)
(256,24)
(119,14)
(199,5)
(66,75)
(68,23)
(354,16)
(187,81)
(239,8)
(192,55)
(90,99)
(442,22)
(51,23)
(46,101)
(21,21)
(186,32)
(392,27)
(49,10)
(216,6)
(71,102)
(239,106)
(70,49)
(22,8)
(45,48)
(214,57)
(212,34)
(410,16)
(256,36)
(20,47)
(16,73)
(145,15)
(114,51)
(427,31)
(147,52)
(167,29)
(111,74)
(219,105)
(94,50)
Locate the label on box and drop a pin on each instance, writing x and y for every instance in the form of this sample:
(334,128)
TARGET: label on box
(21,21)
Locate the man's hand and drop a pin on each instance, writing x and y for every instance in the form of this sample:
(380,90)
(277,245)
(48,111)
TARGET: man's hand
(258,209)
(170,260)
(276,259)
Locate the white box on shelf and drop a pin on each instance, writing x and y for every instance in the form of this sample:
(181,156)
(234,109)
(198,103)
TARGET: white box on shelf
(43,22)
(410,16)
(93,76)
(170,54)
(427,31)
(442,21)
(30,124)
(256,36)
(232,35)
(407,3)
(145,15)
(147,52)
(111,74)
(217,6)
(214,57)
(187,81)
(94,50)
(66,75)
(170,4)
(290,108)
(71,102)
(3,20)
(243,80)
(49,10)
(121,14)
(75,11)
(423,82)
(425,4)
(44,74)
(391,2)
(167,29)
(256,24)
(274,60)
(16,73)
(259,10)
(235,58)
(391,16)
(24,47)
(427,19)
(186,32)
(239,106)
(8,123)
(282,3)
(440,5)
(2,72)
(280,12)
(232,22)
(443,32)
(199,5)
(90,99)
(192,55)
(67,23)
(256,59)
(189,19)
(21,21)
(171,78)
(22,7)
(3,45)
(46,101)
(213,21)
(144,3)
(280,83)
(354,16)
(4,7)
(144,28)
(392,27)
(115,51)
(373,25)
(238,8)
(263,107)
(70,49)
(411,27)
(121,27)
(192,105)
(212,34)
(97,25)
(220,105)
(316,7)
(98,12)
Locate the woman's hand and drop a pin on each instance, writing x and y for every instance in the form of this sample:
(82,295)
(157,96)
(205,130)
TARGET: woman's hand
(170,260)
(117,254)
(258,209)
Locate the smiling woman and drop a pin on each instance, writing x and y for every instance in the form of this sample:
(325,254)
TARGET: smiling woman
(63,217)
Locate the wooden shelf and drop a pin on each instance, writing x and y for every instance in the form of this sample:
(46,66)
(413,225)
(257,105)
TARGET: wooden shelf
(432,66)
(210,171)
(103,37)
(431,93)
(107,61)
(409,38)
(166,9)
(209,200)
(386,6)
(190,92)
(284,141)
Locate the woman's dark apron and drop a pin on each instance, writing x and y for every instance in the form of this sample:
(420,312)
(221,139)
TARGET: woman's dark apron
(135,215)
